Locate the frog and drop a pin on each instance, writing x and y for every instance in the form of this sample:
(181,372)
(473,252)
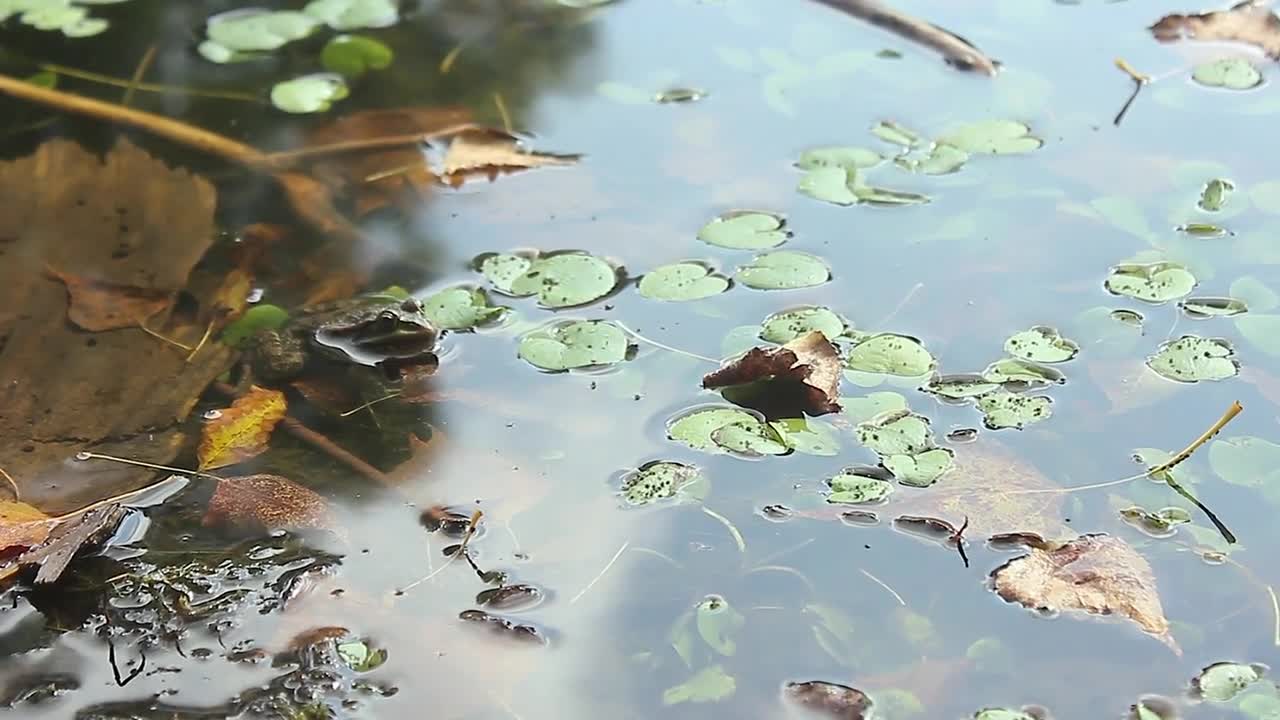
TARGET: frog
(375,330)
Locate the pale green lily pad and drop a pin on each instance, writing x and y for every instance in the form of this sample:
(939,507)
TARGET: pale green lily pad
(784,270)
(1214,195)
(1002,714)
(680,282)
(942,159)
(358,656)
(861,409)
(850,488)
(959,387)
(1257,295)
(785,326)
(1041,344)
(885,196)
(1013,370)
(891,132)
(1004,409)
(838,156)
(749,437)
(257,30)
(560,280)
(999,137)
(718,622)
(1220,682)
(921,469)
(1154,283)
(503,269)
(1246,461)
(1230,73)
(309,93)
(460,308)
(898,433)
(830,184)
(808,436)
(1191,358)
(1262,331)
(890,354)
(662,480)
(695,429)
(354,14)
(1204,307)
(354,55)
(574,344)
(711,684)
(745,230)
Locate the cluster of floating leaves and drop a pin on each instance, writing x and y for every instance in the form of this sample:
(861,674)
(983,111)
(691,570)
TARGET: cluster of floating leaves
(904,442)
(70,17)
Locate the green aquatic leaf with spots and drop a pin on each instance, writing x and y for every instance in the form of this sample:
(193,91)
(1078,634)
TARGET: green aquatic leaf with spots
(681,282)
(572,344)
(460,308)
(1005,409)
(896,134)
(996,137)
(838,156)
(309,93)
(1158,523)
(1014,370)
(745,230)
(1214,195)
(1192,358)
(942,159)
(1041,344)
(1002,714)
(921,469)
(1220,682)
(696,428)
(784,270)
(830,184)
(898,433)
(559,280)
(885,196)
(68,16)
(783,327)
(750,438)
(243,34)
(959,387)
(1154,283)
(503,269)
(1229,73)
(358,656)
(890,354)
(354,55)
(664,480)
(808,436)
(850,488)
(354,14)
(1203,307)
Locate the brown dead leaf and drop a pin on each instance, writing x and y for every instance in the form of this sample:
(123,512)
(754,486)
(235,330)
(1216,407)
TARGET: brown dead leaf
(1248,22)
(243,430)
(22,526)
(490,152)
(805,371)
(828,699)
(269,502)
(1097,574)
(95,305)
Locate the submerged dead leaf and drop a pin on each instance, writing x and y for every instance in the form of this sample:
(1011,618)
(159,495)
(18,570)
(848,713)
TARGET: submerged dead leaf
(69,537)
(243,430)
(269,502)
(1097,574)
(97,305)
(1248,22)
(828,699)
(490,152)
(805,371)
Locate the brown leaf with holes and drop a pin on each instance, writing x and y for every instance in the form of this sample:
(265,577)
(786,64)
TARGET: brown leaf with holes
(804,372)
(96,305)
(1248,22)
(1096,574)
(490,152)
(267,502)
(241,431)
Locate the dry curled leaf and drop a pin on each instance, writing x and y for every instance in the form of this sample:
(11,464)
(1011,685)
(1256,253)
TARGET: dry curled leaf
(491,152)
(1097,574)
(269,502)
(1248,22)
(805,371)
(96,305)
(242,430)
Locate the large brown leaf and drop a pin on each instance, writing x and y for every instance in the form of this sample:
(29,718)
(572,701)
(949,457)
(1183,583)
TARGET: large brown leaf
(805,371)
(1095,574)
(96,305)
(268,502)
(1248,22)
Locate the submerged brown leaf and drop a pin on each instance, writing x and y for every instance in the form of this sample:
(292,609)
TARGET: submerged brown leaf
(97,305)
(268,502)
(1248,22)
(1097,574)
(828,699)
(241,431)
(805,370)
(490,152)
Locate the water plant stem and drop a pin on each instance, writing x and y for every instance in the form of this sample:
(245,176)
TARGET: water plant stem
(602,572)
(462,550)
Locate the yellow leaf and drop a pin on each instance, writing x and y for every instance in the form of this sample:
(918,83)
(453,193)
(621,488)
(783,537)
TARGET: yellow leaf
(242,430)
(16,512)
(22,526)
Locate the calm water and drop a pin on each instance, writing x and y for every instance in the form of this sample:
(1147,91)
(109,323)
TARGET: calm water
(1008,243)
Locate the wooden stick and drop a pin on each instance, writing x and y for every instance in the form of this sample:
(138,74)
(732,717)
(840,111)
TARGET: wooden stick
(957,51)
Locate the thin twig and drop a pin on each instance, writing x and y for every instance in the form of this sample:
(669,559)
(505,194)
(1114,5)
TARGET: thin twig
(602,572)
(149,87)
(142,325)
(901,304)
(884,585)
(285,158)
(371,403)
(1139,81)
(1275,616)
(501,104)
(958,539)
(143,66)
(462,549)
(668,348)
(959,52)
(17,494)
(82,456)
(121,681)
(446,63)
(208,330)
(737,536)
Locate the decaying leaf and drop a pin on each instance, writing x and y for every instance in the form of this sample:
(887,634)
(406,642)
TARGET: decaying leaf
(22,526)
(243,430)
(268,502)
(1097,574)
(97,305)
(828,699)
(491,152)
(807,368)
(1248,22)
(67,538)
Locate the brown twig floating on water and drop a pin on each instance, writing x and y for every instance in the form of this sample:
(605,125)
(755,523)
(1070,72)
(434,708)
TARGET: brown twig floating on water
(958,539)
(957,51)
(1139,81)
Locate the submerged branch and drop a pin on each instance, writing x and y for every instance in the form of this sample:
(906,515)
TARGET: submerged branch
(956,50)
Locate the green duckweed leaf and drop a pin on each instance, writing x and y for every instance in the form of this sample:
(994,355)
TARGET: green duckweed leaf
(1155,283)
(695,428)
(358,656)
(681,282)
(1214,195)
(850,488)
(565,279)
(745,230)
(1191,359)
(959,387)
(1013,370)
(574,344)
(1230,73)
(309,93)
(354,55)
(921,469)
(503,269)
(999,137)
(257,30)
(1203,307)
(662,480)
(1002,714)
(711,684)
(829,184)
(354,14)
(1246,460)
(861,409)
(890,354)
(898,433)
(852,158)
(258,317)
(1222,681)
(942,159)
(717,623)
(459,308)
(785,326)
(1255,294)
(1004,409)
(751,438)
(1262,331)
(1041,344)
(784,270)
(808,436)
(891,132)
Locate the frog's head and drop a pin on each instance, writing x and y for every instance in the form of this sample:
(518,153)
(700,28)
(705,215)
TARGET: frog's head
(393,331)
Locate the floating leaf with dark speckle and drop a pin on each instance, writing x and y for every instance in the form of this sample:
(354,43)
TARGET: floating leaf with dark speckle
(1204,231)
(1041,344)
(574,344)
(853,489)
(1155,283)
(998,137)
(718,623)
(681,282)
(1191,358)
(1004,409)
(785,326)
(1212,306)
(1215,194)
(1230,73)
(745,230)
(1222,681)
(661,480)
(890,354)
(784,270)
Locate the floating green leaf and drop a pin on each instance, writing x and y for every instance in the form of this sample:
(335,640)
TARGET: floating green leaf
(563,279)
(958,387)
(850,488)
(1230,73)
(1041,344)
(1155,283)
(1203,231)
(573,344)
(354,55)
(745,230)
(860,409)
(884,196)
(358,656)
(1215,194)
(1213,306)
(679,95)
(459,308)
(1013,370)
(890,354)
(1222,681)
(749,437)
(892,132)
(503,269)
(661,480)
(852,158)
(717,623)
(921,469)
(1004,409)
(785,326)
(1191,358)
(309,93)
(899,433)
(695,428)
(682,282)
(808,436)
(1002,714)
(941,160)
(709,685)
(1132,318)
(830,184)
(354,14)
(999,137)
(258,317)
(784,270)
(1246,461)
(233,34)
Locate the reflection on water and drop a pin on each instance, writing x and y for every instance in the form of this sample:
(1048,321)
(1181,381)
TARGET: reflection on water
(1007,244)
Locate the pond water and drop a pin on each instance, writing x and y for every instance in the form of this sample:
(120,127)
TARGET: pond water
(708,604)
